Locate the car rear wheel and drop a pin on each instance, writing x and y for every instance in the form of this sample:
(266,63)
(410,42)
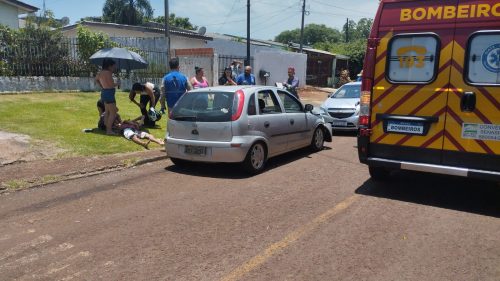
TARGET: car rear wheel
(318,140)
(379,173)
(255,160)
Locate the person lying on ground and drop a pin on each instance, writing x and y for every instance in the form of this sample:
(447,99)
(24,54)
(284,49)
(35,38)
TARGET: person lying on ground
(101,125)
(131,131)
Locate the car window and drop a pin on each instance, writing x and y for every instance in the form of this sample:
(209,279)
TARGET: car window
(268,103)
(204,107)
(483,59)
(413,58)
(291,104)
(347,92)
(252,108)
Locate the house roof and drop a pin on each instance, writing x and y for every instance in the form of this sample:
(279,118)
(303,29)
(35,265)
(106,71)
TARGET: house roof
(173,30)
(21,5)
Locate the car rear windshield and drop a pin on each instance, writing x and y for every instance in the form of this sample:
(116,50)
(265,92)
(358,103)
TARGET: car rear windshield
(204,107)
(347,92)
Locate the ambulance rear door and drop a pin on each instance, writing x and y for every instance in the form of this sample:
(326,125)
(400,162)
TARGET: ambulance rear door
(472,132)
(411,81)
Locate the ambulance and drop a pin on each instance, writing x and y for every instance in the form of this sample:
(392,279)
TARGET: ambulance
(430,98)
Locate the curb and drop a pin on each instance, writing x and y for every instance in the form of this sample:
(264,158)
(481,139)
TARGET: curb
(51,179)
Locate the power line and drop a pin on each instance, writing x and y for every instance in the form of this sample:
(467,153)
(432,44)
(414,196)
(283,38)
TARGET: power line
(332,14)
(280,19)
(228,14)
(342,8)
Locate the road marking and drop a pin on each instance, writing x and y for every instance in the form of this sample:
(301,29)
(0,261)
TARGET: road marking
(275,248)
(24,246)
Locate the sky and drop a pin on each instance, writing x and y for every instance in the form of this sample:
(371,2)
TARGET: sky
(268,17)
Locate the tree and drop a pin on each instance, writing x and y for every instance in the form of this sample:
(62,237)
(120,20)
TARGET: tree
(179,22)
(313,33)
(132,12)
(359,30)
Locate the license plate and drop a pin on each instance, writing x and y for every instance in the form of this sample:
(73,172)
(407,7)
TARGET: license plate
(414,128)
(339,123)
(195,150)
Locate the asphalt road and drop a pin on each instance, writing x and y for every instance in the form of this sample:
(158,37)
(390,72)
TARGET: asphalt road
(308,217)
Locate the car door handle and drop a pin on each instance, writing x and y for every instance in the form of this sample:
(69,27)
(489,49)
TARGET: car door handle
(468,102)
(292,121)
(267,124)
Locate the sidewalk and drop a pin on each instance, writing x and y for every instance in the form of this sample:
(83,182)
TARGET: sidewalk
(22,175)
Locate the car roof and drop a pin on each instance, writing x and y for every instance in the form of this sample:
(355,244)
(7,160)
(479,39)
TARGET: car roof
(353,83)
(232,88)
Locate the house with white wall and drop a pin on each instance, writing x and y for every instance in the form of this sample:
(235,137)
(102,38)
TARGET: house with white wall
(179,38)
(10,11)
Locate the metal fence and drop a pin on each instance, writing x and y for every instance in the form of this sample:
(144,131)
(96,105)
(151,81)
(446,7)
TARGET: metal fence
(62,60)
(225,61)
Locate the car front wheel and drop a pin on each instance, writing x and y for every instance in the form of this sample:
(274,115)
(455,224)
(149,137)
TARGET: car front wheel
(255,160)
(318,140)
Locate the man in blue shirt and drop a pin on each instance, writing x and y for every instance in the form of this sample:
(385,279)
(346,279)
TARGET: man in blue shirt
(246,78)
(175,84)
(292,83)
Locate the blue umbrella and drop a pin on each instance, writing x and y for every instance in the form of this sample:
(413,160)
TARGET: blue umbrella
(123,58)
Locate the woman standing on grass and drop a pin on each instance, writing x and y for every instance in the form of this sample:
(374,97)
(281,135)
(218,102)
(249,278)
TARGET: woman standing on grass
(105,80)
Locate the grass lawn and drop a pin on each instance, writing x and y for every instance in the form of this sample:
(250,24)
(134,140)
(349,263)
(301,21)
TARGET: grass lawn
(60,117)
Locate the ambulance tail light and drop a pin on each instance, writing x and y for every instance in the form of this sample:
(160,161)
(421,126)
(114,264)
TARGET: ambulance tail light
(367,83)
(364,109)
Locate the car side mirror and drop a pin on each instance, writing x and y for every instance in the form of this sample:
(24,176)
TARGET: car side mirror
(308,108)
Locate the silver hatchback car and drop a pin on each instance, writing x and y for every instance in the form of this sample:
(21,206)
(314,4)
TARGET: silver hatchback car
(241,124)
(343,107)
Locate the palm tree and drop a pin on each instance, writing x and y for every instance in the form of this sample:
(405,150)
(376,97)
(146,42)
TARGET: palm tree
(131,12)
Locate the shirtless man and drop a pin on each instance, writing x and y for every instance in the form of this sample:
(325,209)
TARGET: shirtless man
(105,80)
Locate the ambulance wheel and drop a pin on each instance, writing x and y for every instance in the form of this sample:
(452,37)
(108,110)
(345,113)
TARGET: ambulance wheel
(379,173)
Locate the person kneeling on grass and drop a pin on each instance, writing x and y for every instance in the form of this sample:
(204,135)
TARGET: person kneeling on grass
(130,130)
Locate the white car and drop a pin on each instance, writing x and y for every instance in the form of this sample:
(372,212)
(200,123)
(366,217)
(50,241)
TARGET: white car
(343,107)
(241,124)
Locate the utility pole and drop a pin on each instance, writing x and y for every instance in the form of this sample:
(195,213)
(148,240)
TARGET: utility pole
(44,10)
(302,26)
(247,62)
(347,31)
(167,30)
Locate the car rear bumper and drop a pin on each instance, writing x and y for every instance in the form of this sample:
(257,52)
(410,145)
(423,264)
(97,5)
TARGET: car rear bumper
(224,152)
(433,168)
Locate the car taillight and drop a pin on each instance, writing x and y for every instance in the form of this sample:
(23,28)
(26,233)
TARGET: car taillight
(238,102)
(364,108)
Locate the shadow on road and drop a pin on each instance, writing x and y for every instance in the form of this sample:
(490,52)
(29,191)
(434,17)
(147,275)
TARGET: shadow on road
(455,193)
(234,170)
(344,134)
